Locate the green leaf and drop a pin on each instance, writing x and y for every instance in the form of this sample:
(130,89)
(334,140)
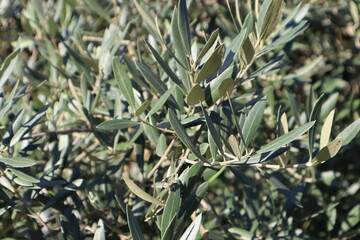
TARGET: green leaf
(94,6)
(165,67)
(100,231)
(189,206)
(282,189)
(152,78)
(161,145)
(226,87)
(8,60)
(171,208)
(352,219)
(271,18)
(140,193)
(252,122)
(234,144)
(192,230)
(142,108)
(135,231)
(314,116)
(326,129)
(184,27)
(209,46)
(63,193)
(117,124)
(161,101)
(17,162)
(124,82)
(328,152)
(28,125)
(213,132)
(195,96)
(148,19)
(350,132)
(286,138)
(212,65)
(24,176)
(181,133)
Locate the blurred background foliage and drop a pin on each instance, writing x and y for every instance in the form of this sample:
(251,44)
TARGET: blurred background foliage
(61,86)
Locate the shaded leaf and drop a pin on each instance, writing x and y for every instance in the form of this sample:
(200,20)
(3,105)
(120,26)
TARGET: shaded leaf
(195,96)
(212,65)
(226,87)
(135,231)
(180,131)
(171,208)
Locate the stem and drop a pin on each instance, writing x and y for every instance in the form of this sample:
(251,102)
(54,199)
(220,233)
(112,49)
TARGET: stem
(60,131)
(163,157)
(158,128)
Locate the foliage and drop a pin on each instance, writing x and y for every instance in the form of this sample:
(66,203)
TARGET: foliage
(179,120)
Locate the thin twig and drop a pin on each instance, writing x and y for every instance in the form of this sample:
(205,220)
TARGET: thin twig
(156,127)
(163,157)
(60,131)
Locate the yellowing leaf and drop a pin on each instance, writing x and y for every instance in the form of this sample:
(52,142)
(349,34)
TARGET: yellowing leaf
(140,193)
(328,152)
(326,129)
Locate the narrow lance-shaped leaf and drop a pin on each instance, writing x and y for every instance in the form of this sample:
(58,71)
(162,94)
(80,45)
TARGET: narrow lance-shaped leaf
(328,152)
(28,125)
(210,44)
(100,231)
(135,231)
(271,18)
(192,230)
(350,132)
(94,6)
(286,138)
(171,208)
(282,189)
(283,129)
(184,26)
(140,193)
(214,133)
(117,124)
(124,82)
(212,65)
(161,101)
(326,129)
(181,132)
(252,122)
(142,108)
(314,116)
(165,67)
(17,162)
